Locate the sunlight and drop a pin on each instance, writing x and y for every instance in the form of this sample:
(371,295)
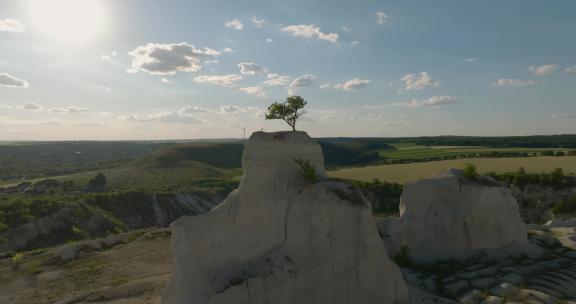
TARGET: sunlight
(68,20)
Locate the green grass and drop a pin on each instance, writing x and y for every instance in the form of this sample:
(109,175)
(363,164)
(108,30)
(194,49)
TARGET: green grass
(401,173)
(412,150)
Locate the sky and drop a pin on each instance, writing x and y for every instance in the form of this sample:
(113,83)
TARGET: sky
(183,69)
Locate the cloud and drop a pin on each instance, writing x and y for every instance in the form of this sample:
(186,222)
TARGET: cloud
(542,70)
(571,69)
(5,107)
(305,80)
(310,31)
(471,59)
(190,110)
(354,43)
(11,25)
(277,80)
(352,84)
(422,81)
(231,109)
(509,82)
(563,116)
(250,68)
(258,22)
(227,50)
(166,80)
(269,40)
(34,107)
(227,81)
(325,86)
(431,102)
(256,91)
(235,24)
(162,117)
(70,110)
(168,59)
(381,17)
(10,81)
(434,101)
(109,56)
(346,29)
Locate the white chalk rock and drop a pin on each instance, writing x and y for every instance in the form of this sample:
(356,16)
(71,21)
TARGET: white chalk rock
(280,240)
(448,216)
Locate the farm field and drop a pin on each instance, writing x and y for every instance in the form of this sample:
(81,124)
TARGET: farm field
(402,173)
(415,151)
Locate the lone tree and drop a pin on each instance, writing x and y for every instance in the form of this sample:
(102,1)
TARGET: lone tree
(289,111)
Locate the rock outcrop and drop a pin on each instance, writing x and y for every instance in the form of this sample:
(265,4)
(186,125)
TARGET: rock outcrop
(448,216)
(280,239)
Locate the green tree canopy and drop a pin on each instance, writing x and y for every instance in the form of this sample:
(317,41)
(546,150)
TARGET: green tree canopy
(289,111)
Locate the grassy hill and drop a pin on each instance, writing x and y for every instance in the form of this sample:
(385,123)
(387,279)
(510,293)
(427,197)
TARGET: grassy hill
(401,173)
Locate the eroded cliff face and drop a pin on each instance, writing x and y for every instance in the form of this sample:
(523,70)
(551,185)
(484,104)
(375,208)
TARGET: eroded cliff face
(279,239)
(451,217)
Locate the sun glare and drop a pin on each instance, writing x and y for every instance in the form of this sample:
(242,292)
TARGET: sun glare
(68,20)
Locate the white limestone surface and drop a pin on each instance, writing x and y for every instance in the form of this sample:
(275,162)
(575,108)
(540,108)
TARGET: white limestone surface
(280,240)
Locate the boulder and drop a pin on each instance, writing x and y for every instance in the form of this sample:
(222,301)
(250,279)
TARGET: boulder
(281,239)
(448,216)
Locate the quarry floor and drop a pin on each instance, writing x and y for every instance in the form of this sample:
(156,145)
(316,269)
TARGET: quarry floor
(135,267)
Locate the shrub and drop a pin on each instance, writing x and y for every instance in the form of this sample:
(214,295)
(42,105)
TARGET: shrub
(565,207)
(470,171)
(402,258)
(308,170)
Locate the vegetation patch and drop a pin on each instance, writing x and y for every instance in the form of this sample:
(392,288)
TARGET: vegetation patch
(308,170)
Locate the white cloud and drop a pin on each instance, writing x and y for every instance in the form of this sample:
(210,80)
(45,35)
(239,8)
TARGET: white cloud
(258,22)
(34,107)
(228,81)
(109,56)
(269,40)
(346,29)
(231,109)
(214,61)
(256,91)
(381,17)
(70,110)
(162,117)
(107,114)
(352,84)
(418,82)
(277,80)
(250,68)
(166,80)
(563,116)
(235,24)
(8,80)
(5,107)
(354,43)
(131,71)
(168,59)
(227,50)
(305,80)
(11,25)
(190,110)
(310,31)
(434,101)
(431,102)
(542,70)
(471,59)
(509,82)
(325,86)
(571,69)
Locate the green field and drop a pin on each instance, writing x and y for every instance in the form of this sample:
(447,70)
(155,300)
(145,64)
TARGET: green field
(415,151)
(402,173)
